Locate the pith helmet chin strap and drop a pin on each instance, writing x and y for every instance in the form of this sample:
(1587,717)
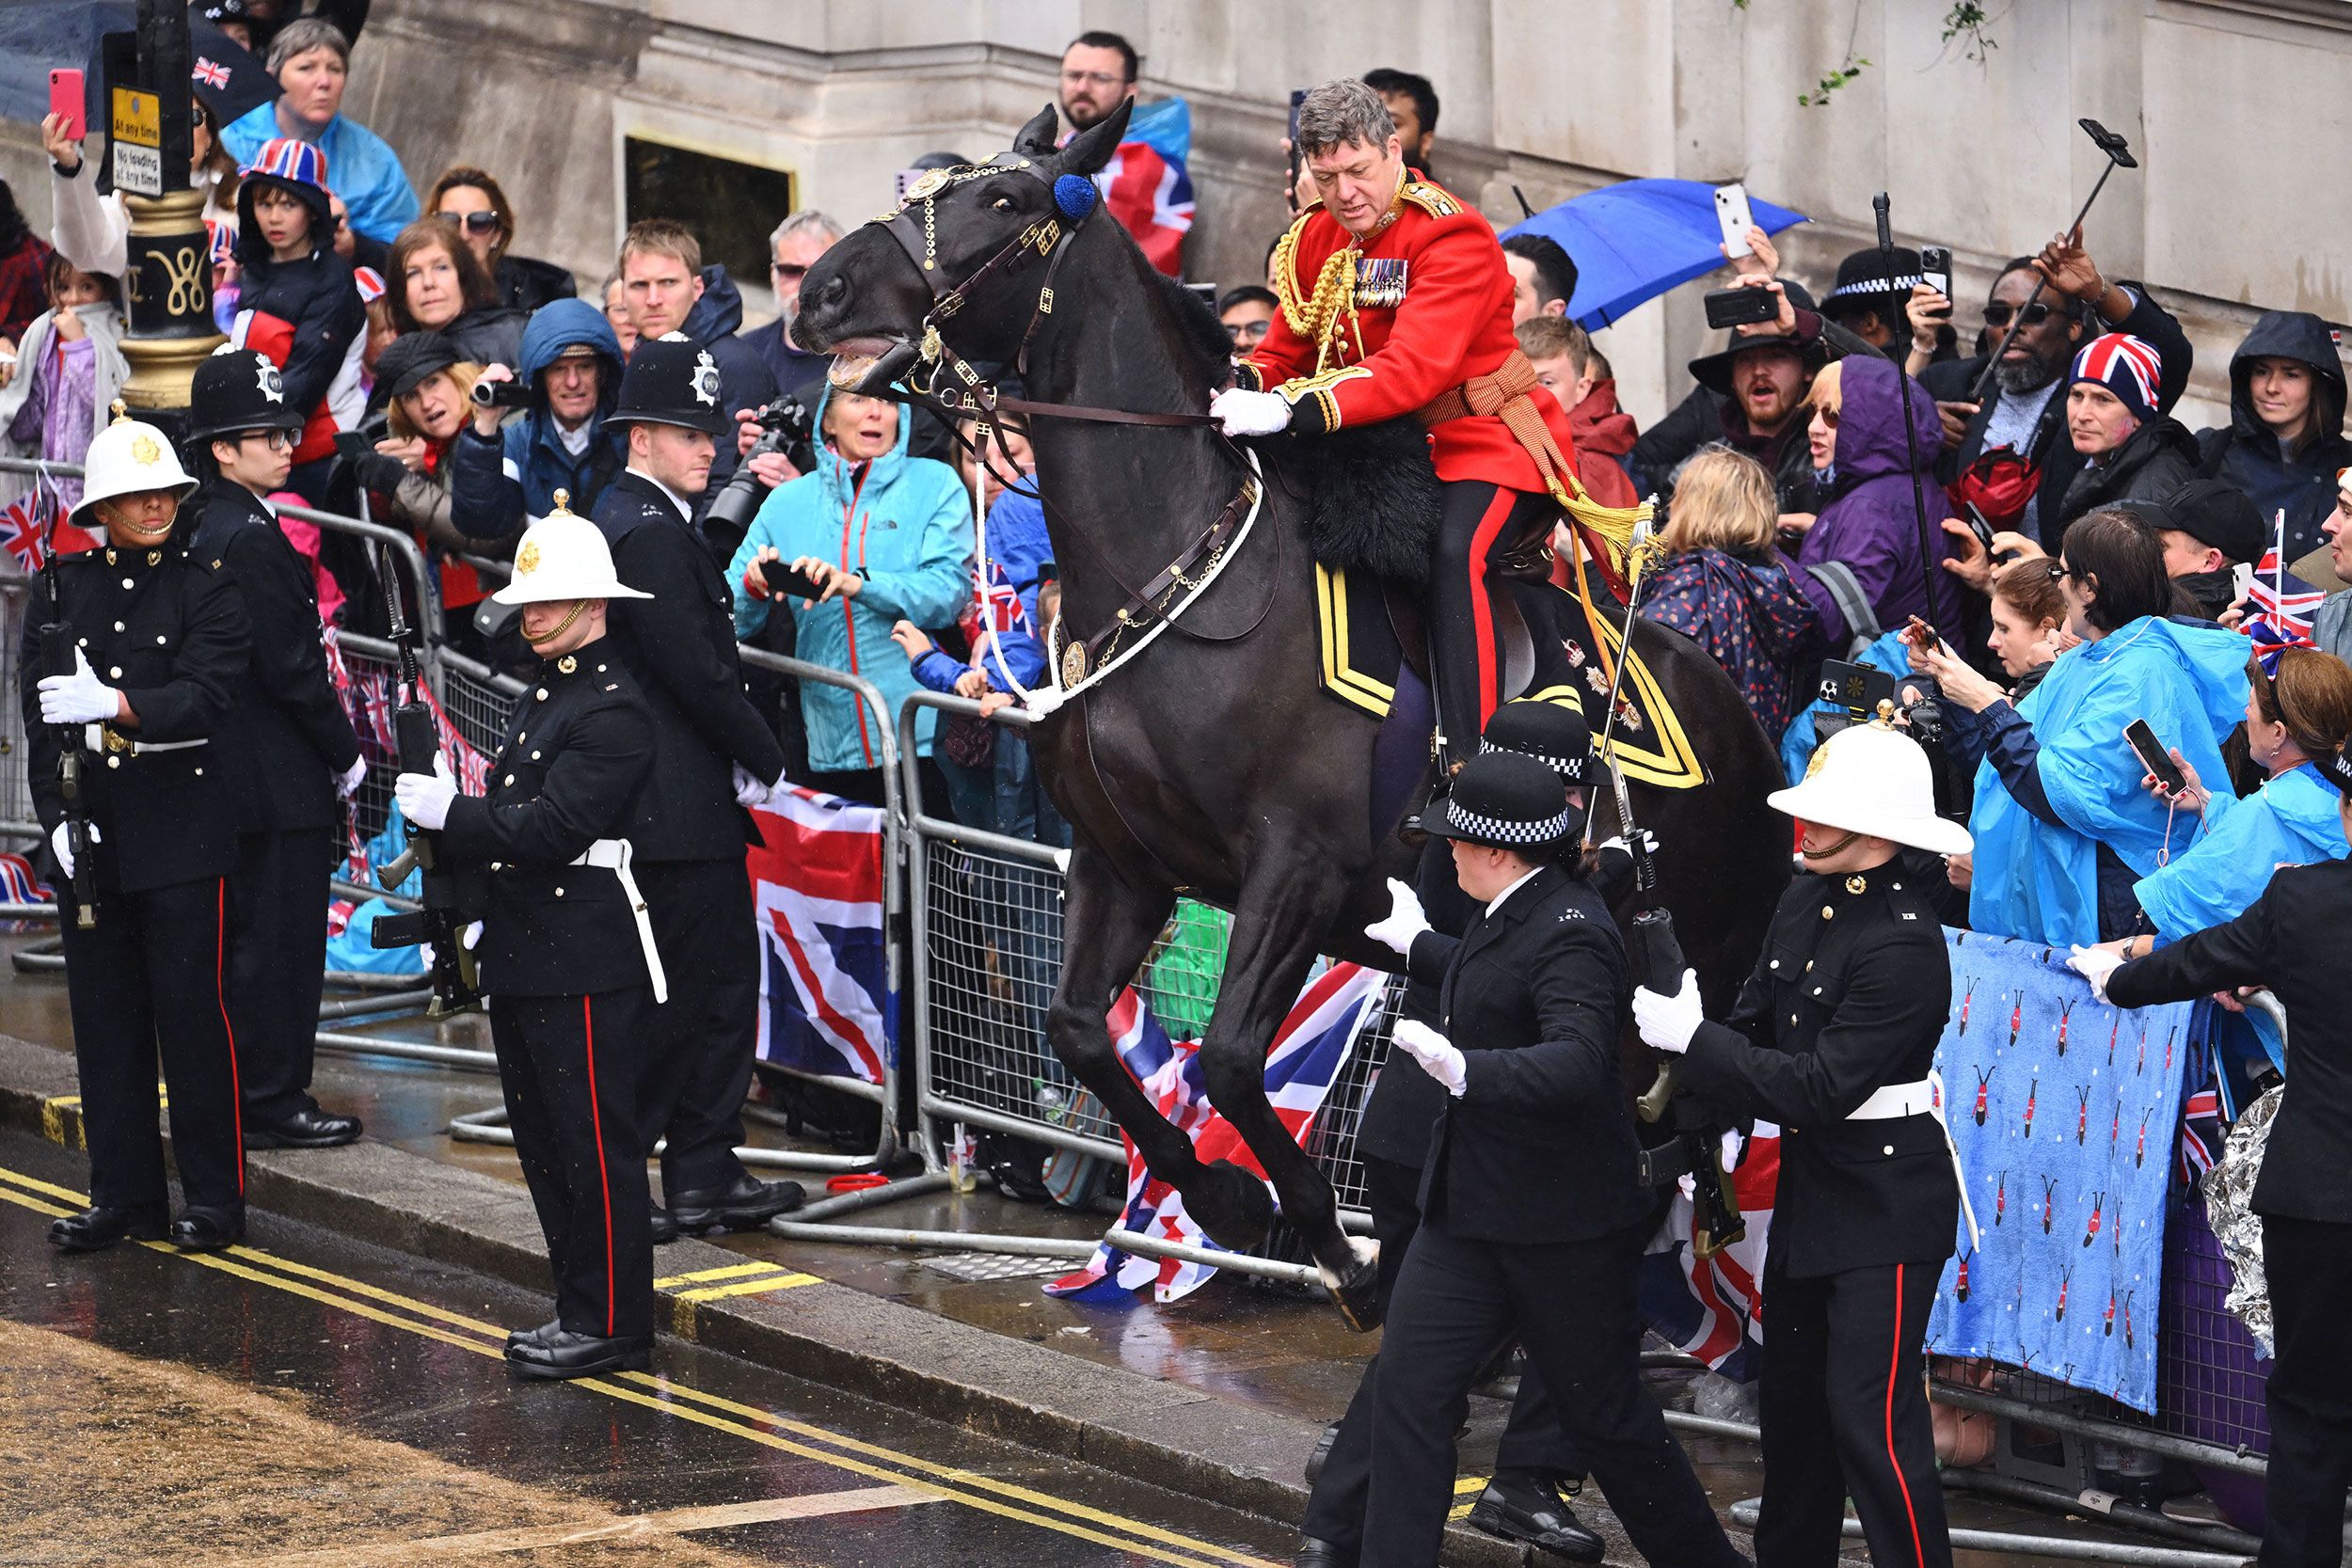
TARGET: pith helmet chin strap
(1837,849)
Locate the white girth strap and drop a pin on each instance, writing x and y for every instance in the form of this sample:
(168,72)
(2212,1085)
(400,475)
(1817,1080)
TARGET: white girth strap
(1924,1098)
(613,855)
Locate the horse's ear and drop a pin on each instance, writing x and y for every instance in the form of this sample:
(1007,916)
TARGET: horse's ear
(1037,137)
(1092,148)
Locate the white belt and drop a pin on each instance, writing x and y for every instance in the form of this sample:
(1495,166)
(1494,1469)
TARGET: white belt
(613,855)
(104,737)
(1924,1098)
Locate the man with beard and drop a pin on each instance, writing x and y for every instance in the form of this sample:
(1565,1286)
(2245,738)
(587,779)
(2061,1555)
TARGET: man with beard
(794,247)
(1144,185)
(2013,459)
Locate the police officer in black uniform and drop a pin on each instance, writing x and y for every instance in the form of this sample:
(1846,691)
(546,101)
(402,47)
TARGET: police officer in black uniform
(1534,1458)
(2291,940)
(566,949)
(1832,1037)
(1533,1217)
(158,637)
(716,757)
(285,741)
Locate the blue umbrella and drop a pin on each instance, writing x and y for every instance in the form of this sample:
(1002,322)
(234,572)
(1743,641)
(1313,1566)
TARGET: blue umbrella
(1633,241)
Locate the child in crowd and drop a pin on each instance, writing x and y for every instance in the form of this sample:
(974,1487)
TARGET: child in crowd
(297,303)
(69,367)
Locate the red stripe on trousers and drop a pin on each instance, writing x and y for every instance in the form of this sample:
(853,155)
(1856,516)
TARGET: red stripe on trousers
(1893,1370)
(596,1123)
(1482,614)
(220,993)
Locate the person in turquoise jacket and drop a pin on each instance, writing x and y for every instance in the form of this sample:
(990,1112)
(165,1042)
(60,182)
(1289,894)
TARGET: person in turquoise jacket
(888,537)
(312,60)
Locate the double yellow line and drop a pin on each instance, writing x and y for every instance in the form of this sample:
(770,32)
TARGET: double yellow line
(683,1401)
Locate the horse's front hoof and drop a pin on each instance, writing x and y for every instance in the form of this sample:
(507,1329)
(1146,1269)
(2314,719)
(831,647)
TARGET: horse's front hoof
(1231,1207)
(1357,1292)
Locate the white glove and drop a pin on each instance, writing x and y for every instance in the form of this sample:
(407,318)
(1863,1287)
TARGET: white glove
(470,938)
(1732,1144)
(80,698)
(424,798)
(348,783)
(1241,412)
(2094,964)
(1434,1052)
(64,850)
(1667,1023)
(749,791)
(1404,921)
(1649,843)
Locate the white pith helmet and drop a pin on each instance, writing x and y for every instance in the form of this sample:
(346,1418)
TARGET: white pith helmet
(1872,781)
(563,557)
(125,459)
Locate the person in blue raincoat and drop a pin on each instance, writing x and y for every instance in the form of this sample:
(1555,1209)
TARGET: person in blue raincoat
(887,537)
(2063,829)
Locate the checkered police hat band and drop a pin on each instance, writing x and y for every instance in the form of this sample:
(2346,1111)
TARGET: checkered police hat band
(1497,830)
(2339,769)
(1568,768)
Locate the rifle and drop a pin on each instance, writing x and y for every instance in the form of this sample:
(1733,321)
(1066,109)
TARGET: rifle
(442,922)
(56,658)
(1656,959)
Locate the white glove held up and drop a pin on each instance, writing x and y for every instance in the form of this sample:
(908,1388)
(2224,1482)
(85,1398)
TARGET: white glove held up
(1436,1054)
(1241,412)
(424,798)
(64,850)
(80,698)
(347,784)
(2094,964)
(1667,1023)
(1404,922)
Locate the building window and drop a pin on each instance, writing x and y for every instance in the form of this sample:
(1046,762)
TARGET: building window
(732,207)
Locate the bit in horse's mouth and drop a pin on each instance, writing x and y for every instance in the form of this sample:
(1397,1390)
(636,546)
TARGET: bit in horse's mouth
(853,357)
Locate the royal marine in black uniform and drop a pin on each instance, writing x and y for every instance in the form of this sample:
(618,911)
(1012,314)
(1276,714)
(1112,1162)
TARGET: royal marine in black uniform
(158,640)
(716,757)
(1533,1217)
(286,742)
(566,950)
(1834,1038)
(2289,940)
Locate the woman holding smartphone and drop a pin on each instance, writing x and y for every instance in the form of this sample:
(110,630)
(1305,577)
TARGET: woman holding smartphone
(2063,828)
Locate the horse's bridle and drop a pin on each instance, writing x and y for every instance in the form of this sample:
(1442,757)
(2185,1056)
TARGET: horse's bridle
(915,226)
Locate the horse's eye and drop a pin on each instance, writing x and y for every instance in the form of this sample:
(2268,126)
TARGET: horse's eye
(1002,204)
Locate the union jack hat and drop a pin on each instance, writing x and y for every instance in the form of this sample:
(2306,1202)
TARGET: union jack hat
(291,159)
(2126,366)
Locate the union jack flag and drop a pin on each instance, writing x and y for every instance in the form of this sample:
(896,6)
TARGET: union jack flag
(826,1006)
(1309,1051)
(1001,609)
(1714,1310)
(24,529)
(210,73)
(2282,600)
(18,883)
(1145,185)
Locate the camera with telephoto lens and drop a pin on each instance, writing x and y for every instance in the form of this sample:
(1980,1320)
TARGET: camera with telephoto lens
(500,394)
(787,427)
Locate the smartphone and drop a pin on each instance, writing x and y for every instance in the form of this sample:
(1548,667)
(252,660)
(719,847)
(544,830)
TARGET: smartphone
(1290,191)
(1977,525)
(784,582)
(1856,688)
(1731,215)
(66,99)
(1741,306)
(1921,635)
(1205,292)
(1935,268)
(2153,756)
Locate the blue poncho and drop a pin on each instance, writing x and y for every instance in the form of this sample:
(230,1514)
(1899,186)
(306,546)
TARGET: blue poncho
(2041,882)
(2294,819)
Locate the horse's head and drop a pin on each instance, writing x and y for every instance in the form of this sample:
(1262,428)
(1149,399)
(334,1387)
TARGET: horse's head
(871,292)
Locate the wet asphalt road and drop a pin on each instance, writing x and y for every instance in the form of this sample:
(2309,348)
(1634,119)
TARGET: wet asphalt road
(305,1400)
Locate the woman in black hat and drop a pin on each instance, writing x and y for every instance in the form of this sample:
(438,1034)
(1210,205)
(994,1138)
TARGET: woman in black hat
(423,393)
(1531,1215)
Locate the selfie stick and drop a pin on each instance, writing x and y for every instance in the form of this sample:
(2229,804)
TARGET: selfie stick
(2119,153)
(1910,437)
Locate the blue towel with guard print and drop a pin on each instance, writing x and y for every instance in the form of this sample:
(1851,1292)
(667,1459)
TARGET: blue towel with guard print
(2065,1112)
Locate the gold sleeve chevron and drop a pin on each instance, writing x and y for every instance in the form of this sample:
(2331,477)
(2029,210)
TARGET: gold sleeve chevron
(1357,689)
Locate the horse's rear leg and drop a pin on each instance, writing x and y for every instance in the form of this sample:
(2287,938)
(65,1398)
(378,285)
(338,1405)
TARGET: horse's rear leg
(1283,912)
(1107,928)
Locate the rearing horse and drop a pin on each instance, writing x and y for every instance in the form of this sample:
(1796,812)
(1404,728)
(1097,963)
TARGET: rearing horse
(1209,763)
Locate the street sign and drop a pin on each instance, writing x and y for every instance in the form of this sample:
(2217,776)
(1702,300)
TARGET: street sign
(136,137)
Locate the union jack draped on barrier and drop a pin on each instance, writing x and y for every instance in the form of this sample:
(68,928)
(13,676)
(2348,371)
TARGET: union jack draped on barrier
(1714,1310)
(1309,1051)
(816,888)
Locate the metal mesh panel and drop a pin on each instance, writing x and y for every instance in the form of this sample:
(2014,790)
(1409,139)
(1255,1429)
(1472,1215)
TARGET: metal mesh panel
(16,795)
(479,706)
(2209,1385)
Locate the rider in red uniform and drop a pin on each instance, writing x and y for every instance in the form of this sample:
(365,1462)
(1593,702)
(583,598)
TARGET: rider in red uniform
(1396,301)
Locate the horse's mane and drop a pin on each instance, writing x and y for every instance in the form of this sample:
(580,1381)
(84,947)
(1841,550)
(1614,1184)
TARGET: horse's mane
(1197,327)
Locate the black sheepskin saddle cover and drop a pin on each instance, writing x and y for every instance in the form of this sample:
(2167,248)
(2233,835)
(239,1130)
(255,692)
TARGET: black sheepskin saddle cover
(1373,498)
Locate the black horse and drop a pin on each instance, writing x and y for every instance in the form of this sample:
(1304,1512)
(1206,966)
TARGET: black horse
(1210,765)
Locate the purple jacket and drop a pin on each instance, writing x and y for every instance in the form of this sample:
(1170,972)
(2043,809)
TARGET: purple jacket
(1871,527)
(1746,614)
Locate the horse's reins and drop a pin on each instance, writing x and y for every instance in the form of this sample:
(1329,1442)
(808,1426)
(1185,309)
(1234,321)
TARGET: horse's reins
(1151,608)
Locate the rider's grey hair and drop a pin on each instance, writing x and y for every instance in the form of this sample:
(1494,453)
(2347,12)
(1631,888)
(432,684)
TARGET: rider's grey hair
(1342,111)
(806,221)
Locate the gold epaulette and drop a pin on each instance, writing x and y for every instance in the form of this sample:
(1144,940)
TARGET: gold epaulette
(1433,200)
